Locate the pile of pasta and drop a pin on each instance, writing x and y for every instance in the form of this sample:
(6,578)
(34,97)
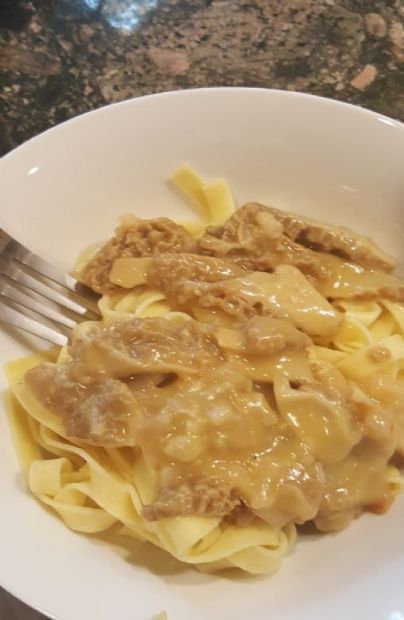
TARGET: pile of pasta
(95,489)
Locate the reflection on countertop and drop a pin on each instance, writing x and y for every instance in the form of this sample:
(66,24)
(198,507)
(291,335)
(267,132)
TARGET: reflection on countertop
(59,58)
(126,15)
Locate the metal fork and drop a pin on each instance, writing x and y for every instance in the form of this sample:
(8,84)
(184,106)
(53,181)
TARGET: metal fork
(38,298)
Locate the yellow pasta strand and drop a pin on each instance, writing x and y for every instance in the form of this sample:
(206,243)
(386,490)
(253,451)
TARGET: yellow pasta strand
(365,312)
(397,311)
(352,335)
(212,200)
(152,305)
(195,540)
(94,489)
(26,447)
(384,326)
(219,200)
(190,185)
(325,354)
(46,477)
(363,363)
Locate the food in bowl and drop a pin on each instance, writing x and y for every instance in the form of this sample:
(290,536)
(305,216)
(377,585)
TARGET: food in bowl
(246,378)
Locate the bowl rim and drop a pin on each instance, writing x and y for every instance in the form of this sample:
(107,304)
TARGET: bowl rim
(329,102)
(326,102)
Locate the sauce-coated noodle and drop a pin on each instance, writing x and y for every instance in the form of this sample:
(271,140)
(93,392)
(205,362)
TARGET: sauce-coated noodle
(229,393)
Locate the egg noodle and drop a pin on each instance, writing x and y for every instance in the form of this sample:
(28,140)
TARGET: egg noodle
(94,489)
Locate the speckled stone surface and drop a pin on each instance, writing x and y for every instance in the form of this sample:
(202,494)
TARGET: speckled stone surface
(59,58)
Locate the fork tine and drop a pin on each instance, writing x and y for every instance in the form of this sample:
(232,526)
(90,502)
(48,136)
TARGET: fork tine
(37,263)
(68,284)
(8,291)
(13,272)
(37,297)
(21,256)
(14,317)
(46,291)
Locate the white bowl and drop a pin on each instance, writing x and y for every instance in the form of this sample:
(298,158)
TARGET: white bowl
(65,189)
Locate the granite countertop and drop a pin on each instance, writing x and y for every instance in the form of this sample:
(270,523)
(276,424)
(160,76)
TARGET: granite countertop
(59,58)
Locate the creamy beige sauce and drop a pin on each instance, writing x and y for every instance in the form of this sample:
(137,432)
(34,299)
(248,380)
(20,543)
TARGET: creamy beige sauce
(227,408)
(289,438)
